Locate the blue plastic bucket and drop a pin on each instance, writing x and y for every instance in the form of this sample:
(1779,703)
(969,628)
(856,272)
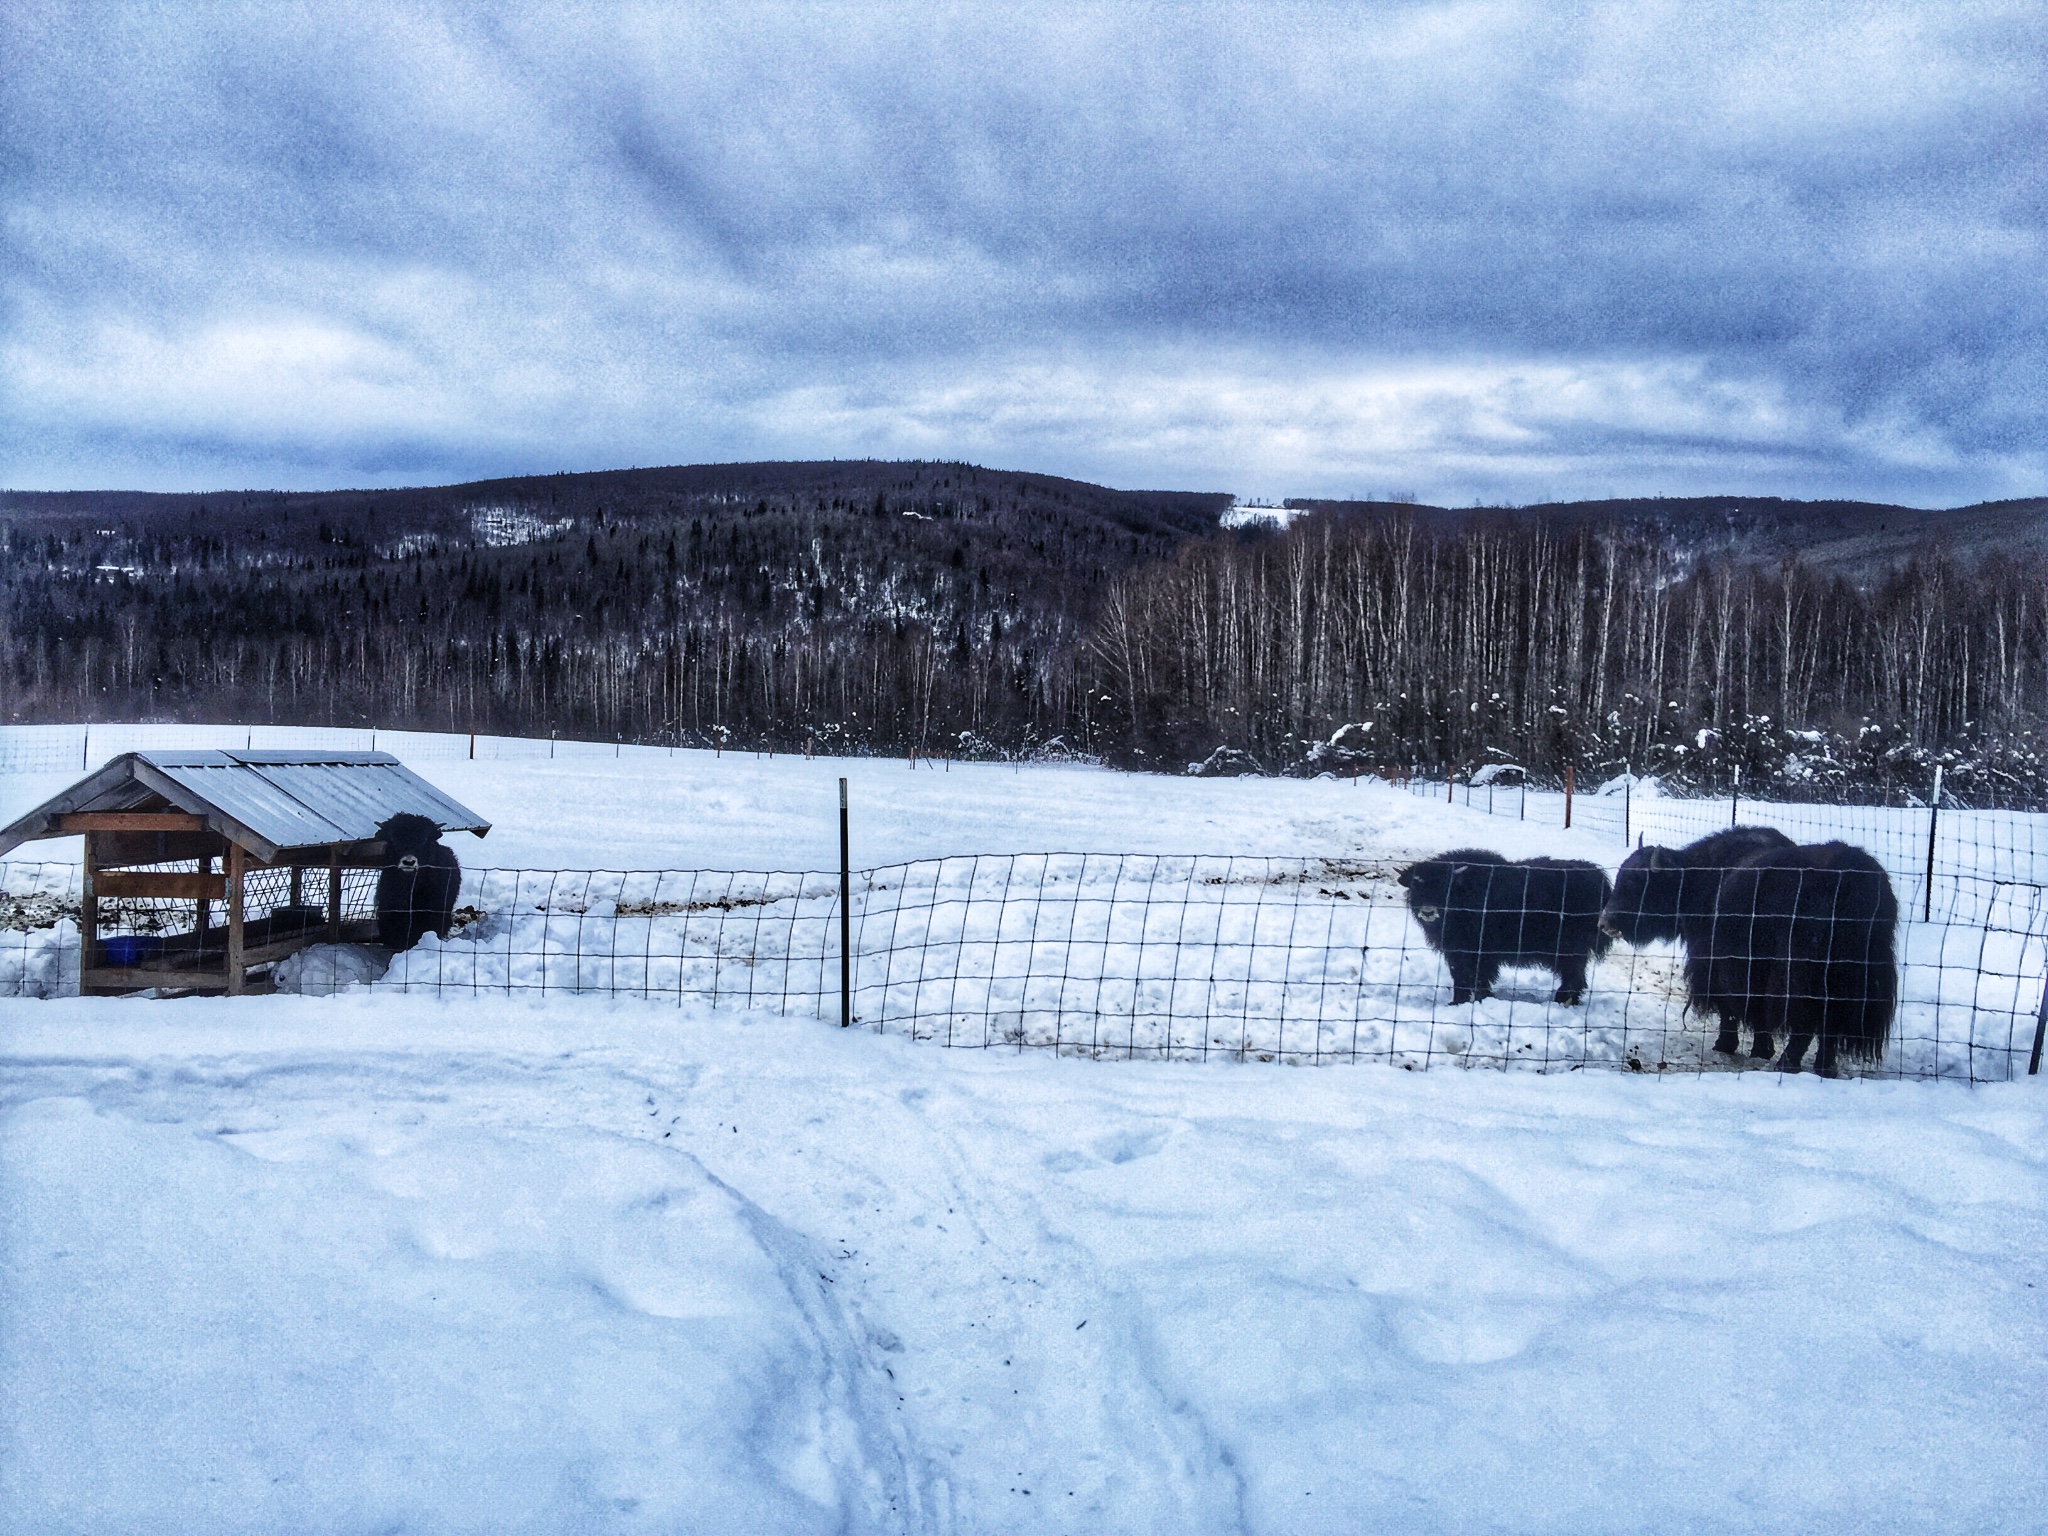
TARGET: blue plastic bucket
(131,948)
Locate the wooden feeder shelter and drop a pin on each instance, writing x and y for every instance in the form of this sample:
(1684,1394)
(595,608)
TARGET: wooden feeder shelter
(272,838)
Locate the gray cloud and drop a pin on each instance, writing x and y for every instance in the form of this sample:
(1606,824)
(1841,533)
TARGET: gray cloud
(1470,250)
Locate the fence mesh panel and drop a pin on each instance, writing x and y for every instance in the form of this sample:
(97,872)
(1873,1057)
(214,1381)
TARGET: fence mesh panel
(1125,956)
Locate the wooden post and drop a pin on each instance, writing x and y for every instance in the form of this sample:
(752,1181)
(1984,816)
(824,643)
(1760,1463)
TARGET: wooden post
(333,895)
(88,913)
(205,919)
(297,897)
(845,916)
(237,865)
(1567,794)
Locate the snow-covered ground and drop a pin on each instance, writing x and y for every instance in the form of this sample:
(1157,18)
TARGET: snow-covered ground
(513,1262)
(373,1263)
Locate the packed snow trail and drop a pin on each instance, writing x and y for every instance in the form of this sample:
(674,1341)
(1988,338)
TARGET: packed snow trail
(375,1263)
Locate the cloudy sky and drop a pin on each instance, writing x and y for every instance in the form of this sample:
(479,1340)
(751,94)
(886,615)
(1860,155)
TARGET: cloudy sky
(1465,251)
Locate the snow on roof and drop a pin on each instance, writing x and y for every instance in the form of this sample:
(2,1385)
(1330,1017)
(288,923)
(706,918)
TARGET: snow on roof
(263,800)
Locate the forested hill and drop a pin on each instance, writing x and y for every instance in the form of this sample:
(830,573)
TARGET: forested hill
(1054,518)
(856,602)
(942,607)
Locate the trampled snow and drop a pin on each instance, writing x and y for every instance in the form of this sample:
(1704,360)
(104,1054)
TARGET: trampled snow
(391,1261)
(363,1264)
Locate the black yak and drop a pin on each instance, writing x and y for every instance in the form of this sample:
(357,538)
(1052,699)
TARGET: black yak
(1668,893)
(1777,937)
(417,888)
(1481,913)
(1802,943)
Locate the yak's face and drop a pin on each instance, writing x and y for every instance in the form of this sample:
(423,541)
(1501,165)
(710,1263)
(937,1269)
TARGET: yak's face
(1644,905)
(406,838)
(1429,887)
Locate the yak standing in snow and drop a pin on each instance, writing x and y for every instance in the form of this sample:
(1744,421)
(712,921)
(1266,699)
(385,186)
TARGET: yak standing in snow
(1481,913)
(417,888)
(1805,937)
(1780,938)
(1669,893)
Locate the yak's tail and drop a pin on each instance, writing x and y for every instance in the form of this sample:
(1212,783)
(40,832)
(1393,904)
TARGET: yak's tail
(1869,989)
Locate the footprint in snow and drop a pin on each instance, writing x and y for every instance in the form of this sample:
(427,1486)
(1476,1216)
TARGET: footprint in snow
(1128,1146)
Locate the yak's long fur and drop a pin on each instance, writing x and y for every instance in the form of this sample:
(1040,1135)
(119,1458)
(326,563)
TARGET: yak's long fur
(1778,938)
(1669,893)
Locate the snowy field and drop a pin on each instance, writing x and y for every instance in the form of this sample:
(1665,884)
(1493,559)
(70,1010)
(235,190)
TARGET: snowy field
(375,1264)
(1193,918)
(564,1262)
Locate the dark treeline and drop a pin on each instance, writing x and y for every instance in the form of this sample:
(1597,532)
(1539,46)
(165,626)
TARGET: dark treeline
(1544,642)
(886,607)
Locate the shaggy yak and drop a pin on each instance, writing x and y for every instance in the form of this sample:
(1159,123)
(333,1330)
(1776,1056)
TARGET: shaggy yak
(1789,939)
(1668,893)
(1481,913)
(1805,938)
(416,891)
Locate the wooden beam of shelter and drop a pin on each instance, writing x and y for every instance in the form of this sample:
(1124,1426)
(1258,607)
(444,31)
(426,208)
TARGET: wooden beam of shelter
(131,821)
(181,885)
(114,849)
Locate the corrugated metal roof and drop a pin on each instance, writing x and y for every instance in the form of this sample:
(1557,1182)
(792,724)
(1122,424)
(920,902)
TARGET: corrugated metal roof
(263,800)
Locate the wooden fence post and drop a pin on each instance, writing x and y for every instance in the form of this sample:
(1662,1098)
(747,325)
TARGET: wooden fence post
(89,914)
(334,893)
(237,866)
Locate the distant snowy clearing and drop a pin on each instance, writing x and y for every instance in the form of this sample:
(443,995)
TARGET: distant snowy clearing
(389,1263)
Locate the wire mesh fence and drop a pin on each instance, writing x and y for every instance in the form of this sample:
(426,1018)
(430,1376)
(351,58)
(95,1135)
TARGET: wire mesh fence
(1126,956)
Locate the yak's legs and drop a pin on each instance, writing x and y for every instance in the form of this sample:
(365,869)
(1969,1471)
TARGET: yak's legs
(1471,978)
(1571,979)
(1795,1053)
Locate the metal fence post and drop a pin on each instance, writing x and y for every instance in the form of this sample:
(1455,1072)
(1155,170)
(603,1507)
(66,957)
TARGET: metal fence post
(1735,798)
(1567,794)
(2040,1028)
(845,917)
(1933,817)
